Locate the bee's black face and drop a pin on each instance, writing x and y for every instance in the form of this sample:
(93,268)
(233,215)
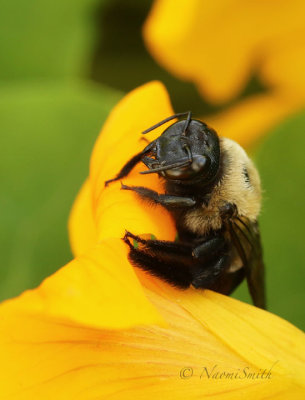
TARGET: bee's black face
(189,156)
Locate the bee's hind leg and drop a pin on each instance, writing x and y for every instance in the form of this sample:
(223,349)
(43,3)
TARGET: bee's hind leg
(170,261)
(183,265)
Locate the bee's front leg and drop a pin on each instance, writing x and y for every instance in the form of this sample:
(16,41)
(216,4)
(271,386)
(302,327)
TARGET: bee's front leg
(165,200)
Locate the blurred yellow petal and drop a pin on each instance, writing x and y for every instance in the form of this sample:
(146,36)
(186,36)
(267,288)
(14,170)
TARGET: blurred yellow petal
(285,69)
(217,45)
(247,121)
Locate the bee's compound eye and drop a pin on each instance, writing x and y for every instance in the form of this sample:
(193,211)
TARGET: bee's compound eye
(200,163)
(177,173)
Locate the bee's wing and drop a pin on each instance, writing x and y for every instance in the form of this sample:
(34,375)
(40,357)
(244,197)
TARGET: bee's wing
(246,238)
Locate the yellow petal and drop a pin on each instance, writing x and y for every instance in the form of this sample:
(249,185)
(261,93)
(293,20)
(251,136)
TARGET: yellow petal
(97,289)
(96,207)
(119,140)
(45,358)
(82,229)
(100,213)
(217,45)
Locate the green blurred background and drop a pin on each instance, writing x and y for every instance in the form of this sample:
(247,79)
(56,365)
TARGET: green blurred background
(64,64)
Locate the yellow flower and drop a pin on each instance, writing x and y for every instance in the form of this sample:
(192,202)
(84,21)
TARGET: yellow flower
(218,45)
(99,329)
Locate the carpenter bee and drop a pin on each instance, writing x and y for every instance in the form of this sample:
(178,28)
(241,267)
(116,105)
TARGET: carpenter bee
(212,190)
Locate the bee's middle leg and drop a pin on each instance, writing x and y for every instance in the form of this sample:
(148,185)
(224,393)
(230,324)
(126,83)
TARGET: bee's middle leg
(213,258)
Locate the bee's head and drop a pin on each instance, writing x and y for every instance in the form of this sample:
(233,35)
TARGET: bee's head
(186,152)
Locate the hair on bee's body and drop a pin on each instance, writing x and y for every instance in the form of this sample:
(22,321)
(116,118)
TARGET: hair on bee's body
(212,190)
(237,183)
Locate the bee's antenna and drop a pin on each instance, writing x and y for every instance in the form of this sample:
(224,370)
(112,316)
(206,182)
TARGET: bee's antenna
(166,167)
(187,122)
(189,152)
